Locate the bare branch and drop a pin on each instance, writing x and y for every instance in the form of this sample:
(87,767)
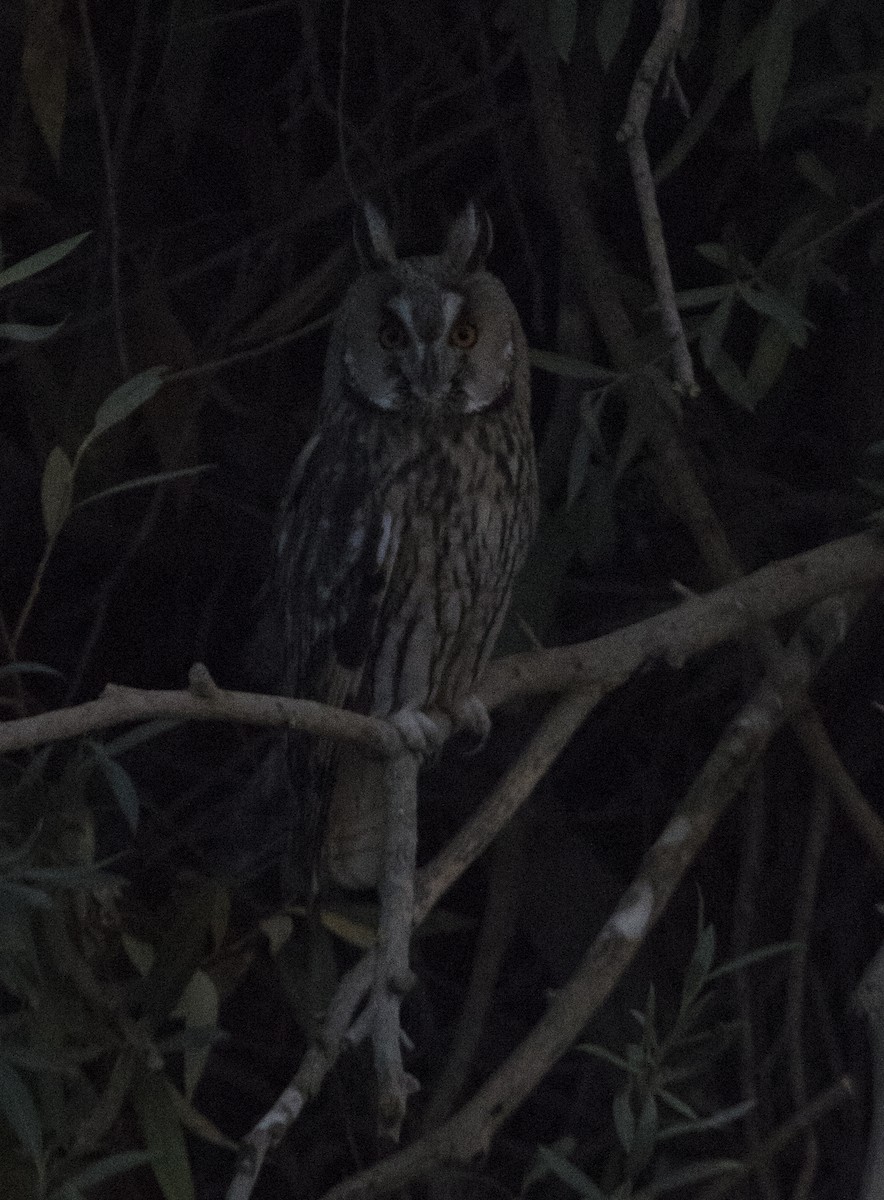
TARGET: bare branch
(663,867)
(658,58)
(695,625)
(392,976)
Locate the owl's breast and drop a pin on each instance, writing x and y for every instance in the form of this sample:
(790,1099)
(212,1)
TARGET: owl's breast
(462,529)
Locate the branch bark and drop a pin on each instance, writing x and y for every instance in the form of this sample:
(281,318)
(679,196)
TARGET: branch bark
(743,743)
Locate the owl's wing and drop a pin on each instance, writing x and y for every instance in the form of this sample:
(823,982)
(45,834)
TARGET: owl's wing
(337,547)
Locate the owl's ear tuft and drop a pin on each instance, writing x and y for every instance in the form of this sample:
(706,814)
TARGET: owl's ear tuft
(371,234)
(469,240)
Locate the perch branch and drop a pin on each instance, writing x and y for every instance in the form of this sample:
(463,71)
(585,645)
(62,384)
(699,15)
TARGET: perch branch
(392,975)
(674,636)
(723,775)
(431,883)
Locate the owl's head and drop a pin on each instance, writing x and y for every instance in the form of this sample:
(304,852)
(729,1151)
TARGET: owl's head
(426,335)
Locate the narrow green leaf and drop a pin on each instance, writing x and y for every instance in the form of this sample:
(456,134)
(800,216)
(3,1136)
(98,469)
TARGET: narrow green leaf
(181,949)
(772,68)
(107,1168)
(873,118)
(56,489)
(718,1120)
(610,28)
(52,1060)
(779,308)
(76,876)
(140,734)
(17,1106)
(163,1137)
(754,956)
(700,297)
(769,359)
(28,668)
(698,968)
(199,1007)
(40,261)
(569,1174)
(677,1104)
(538,1170)
(120,782)
(624,1120)
(715,326)
(604,1053)
(818,175)
(22,852)
(578,464)
(715,253)
(195,1122)
(732,381)
(28,333)
(145,481)
(125,400)
(569,367)
(20,893)
(645,1138)
(695,1172)
(562,17)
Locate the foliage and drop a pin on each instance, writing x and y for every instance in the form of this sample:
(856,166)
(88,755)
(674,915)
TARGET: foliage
(84,1038)
(213,148)
(654,1106)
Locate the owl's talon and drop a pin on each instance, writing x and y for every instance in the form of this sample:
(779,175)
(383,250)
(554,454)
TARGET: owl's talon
(472,716)
(420,733)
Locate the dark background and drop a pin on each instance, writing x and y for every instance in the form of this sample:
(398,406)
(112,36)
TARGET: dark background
(220,211)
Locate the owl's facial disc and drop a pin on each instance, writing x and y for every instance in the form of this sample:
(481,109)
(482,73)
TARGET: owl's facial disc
(417,334)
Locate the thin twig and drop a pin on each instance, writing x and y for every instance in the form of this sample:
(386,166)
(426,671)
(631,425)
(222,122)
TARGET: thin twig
(110,180)
(110,585)
(802,922)
(868,1000)
(392,977)
(657,59)
(817,745)
(341,102)
(752,861)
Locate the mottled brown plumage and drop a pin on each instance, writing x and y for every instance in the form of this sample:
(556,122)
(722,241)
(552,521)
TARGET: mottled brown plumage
(409,512)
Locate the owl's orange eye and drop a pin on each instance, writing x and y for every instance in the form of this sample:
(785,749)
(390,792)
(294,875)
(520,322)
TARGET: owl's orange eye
(463,336)
(391,335)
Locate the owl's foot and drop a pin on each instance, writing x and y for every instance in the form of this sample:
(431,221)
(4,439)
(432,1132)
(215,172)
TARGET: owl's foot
(471,716)
(420,733)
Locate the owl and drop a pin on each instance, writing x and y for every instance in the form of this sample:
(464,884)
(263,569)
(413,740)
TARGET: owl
(407,515)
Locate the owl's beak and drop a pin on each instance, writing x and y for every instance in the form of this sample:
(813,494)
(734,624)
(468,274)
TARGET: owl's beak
(429,374)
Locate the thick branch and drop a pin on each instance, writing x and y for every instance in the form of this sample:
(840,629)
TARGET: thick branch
(674,636)
(695,625)
(664,865)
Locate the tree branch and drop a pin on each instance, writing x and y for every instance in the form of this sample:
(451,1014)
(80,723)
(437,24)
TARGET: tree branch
(674,636)
(723,775)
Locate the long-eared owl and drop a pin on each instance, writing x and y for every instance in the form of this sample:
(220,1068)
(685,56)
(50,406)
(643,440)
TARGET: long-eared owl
(408,513)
